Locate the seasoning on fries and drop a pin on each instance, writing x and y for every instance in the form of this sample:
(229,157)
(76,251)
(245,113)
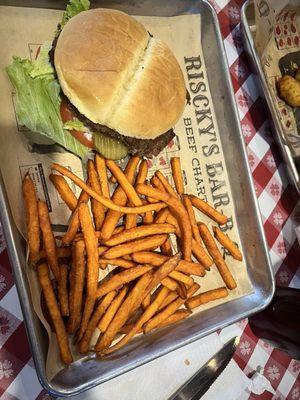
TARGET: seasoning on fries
(146,301)
(131,221)
(180,277)
(161,216)
(171,296)
(148,218)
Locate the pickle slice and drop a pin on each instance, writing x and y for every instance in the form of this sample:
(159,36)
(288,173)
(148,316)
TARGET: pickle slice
(109,148)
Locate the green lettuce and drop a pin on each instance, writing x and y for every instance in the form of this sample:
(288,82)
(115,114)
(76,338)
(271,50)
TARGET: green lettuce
(75,124)
(38,92)
(73,8)
(38,102)
(42,67)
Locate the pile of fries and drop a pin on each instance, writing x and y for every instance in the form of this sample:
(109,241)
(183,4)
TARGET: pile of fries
(130,233)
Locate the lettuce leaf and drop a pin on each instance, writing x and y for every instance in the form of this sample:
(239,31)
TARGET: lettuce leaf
(42,67)
(38,92)
(38,103)
(75,124)
(73,8)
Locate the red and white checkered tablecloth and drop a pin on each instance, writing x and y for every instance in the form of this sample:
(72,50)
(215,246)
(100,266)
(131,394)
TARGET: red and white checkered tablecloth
(278,205)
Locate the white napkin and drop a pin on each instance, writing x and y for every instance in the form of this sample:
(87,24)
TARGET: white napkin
(159,379)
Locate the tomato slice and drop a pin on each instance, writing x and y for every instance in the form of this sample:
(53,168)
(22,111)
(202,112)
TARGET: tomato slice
(66,115)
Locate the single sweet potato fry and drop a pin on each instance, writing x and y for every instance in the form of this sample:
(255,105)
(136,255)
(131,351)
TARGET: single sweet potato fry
(227,243)
(217,256)
(63,290)
(208,210)
(150,242)
(53,309)
(206,297)
(118,280)
(32,219)
(102,175)
(92,266)
(64,190)
(48,239)
(177,175)
(98,210)
(77,283)
(139,232)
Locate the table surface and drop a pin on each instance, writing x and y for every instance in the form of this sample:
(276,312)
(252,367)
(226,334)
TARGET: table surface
(278,204)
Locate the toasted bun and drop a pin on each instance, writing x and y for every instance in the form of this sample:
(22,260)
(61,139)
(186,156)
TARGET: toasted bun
(116,75)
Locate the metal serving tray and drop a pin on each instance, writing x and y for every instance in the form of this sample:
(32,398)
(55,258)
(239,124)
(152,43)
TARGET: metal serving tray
(84,375)
(248,29)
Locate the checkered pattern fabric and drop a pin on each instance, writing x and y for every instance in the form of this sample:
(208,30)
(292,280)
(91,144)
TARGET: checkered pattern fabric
(278,205)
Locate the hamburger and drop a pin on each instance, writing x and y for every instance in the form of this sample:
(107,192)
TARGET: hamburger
(120,90)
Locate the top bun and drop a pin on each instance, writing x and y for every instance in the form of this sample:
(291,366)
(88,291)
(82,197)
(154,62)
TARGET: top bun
(116,75)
